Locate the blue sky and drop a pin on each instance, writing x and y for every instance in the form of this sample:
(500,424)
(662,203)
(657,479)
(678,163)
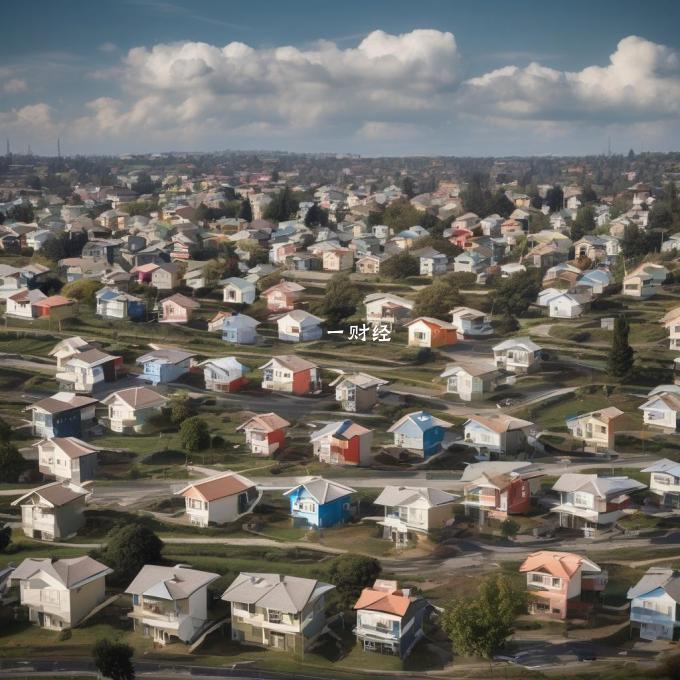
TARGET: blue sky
(463,78)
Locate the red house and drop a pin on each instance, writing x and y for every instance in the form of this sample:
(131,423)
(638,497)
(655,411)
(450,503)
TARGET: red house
(292,374)
(54,307)
(265,434)
(460,237)
(343,443)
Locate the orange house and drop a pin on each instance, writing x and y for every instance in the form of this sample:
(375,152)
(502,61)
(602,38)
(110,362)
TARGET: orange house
(291,373)
(283,296)
(55,307)
(428,332)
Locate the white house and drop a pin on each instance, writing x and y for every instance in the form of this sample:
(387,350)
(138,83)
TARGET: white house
(387,309)
(219,499)
(238,291)
(470,322)
(130,408)
(67,458)
(644,281)
(299,326)
(661,410)
(59,594)
(225,374)
(671,320)
(21,303)
(471,380)
(497,433)
(664,482)
(564,306)
(654,601)
(170,603)
(517,355)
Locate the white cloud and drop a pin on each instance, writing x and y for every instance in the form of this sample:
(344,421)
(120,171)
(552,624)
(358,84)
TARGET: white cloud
(108,47)
(14,85)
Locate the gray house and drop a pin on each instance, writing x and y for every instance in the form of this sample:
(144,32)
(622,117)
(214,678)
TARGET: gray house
(240,329)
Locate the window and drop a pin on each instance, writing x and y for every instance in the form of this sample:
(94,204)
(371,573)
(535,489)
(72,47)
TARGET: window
(556,582)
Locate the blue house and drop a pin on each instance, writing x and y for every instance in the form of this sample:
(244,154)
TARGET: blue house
(115,304)
(64,414)
(165,365)
(320,503)
(240,329)
(420,432)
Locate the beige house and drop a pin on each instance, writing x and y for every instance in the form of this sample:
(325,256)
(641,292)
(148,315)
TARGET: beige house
(130,408)
(53,512)
(671,320)
(170,603)
(357,392)
(285,613)
(67,458)
(219,499)
(645,281)
(471,380)
(338,260)
(597,428)
(68,348)
(59,594)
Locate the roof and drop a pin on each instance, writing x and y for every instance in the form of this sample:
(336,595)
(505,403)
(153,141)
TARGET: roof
(239,320)
(241,284)
(430,321)
(664,465)
(301,317)
(322,490)
(475,367)
(526,343)
(600,486)
(93,357)
(182,301)
(389,602)
(405,495)
(361,380)
(137,397)
(423,420)
(605,415)
(74,343)
(500,422)
(561,564)
(267,422)
(62,401)
(54,301)
(55,493)
(218,486)
(72,447)
(657,577)
(292,362)
(26,295)
(166,355)
(490,469)
(342,429)
(288,594)
(227,363)
(669,399)
(286,287)
(169,583)
(70,572)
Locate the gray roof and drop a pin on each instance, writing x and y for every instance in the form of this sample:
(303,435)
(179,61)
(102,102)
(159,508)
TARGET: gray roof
(69,572)
(322,490)
(169,583)
(657,577)
(405,495)
(600,486)
(289,594)
(496,467)
(664,465)
(166,356)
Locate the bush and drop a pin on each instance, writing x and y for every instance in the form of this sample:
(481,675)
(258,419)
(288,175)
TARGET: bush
(194,435)
(64,635)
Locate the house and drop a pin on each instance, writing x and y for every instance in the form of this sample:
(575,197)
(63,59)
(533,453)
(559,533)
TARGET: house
(370,264)
(431,261)
(425,331)
(299,326)
(225,374)
(357,391)
(662,410)
(496,489)
(385,309)
(664,482)
(337,260)
(265,433)
(589,501)
(497,433)
(411,510)
(471,261)
(644,281)
(240,329)
(52,512)
(292,374)
(60,593)
(216,322)
(238,291)
(471,380)
(165,364)
(560,583)
(64,414)
(389,619)
(177,308)
(343,443)
(67,458)
(88,371)
(219,499)
(564,306)
(22,303)
(671,244)
(67,348)
(166,276)
(671,320)
(597,428)
(115,304)
(470,323)
(283,613)
(55,307)
(317,502)
(170,602)
(517,355)
(598,280)
(283,296)
(654,604)
(130,408)
(420,432)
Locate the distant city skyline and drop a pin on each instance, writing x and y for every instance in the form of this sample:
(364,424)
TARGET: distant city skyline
(379,78)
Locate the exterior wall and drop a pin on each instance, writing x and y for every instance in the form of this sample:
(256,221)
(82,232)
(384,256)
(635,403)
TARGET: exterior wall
(240,336)
(84,599)
(661,417)
(655,614)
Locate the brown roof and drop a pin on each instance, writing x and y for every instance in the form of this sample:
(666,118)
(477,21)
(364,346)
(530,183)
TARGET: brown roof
(292,362)
(137,397)
(54,301)
(269,422)
(71,446)
(218,486)
(182,300)
(54,405)
(380,601)
(499,422)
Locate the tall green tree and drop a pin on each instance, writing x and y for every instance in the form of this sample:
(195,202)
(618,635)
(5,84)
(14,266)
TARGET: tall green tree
(400,266)
(282,207)
(554,198)
(621,357)
(316,216)
(129,547)
(584,222)
(408,187)
(515,294)
(437,299)
(350,574)
(341,299)
(246,210)
(12,463)
(480,625)
(194,435)
(114,659)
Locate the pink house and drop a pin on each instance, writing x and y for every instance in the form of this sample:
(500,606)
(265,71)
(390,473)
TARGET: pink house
(283,296)
(144,272)
(177,308)
(461,237)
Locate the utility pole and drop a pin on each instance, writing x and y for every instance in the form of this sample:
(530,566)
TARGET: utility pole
(58,147)
(8,151)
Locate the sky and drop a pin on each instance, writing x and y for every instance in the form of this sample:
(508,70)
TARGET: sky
(373,77)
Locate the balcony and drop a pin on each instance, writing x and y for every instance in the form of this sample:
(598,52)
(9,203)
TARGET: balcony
(643,615)
(382,633)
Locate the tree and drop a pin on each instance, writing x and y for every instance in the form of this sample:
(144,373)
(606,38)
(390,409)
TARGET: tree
(437,299)
(350,574)
(5,536)
(554,198)
(341,299)
(400,215)
(246,210)
(21,213)
(621,357)
(400,266)
(584,223)
(194,435)
(12,463)
(478,626)
(316,216)
(181,410)
(506,324)
(144,184)
(509,528)
(515,294)
(114,659)
(408,187)
(129,547)
(439,243)
(82,290)
(282,206)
